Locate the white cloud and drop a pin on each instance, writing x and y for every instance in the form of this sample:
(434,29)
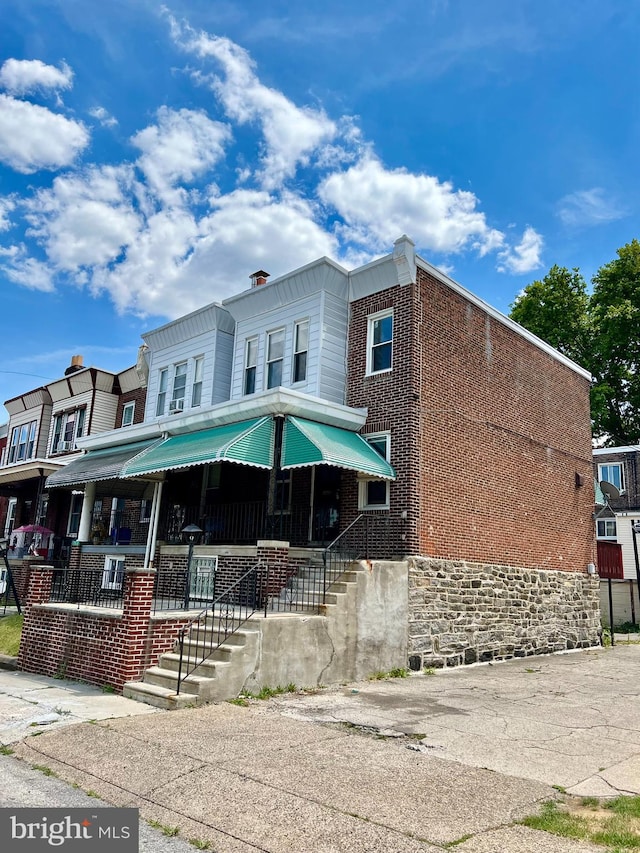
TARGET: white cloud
(588,207)
(524,256)
(33,138)
(103,116)
(291,134)
(7,205)
(21,76)
(378,204)
(85,220)
(182,146)
(28,272)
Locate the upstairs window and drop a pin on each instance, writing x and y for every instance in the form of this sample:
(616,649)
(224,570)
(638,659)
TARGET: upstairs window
(196,388)
(380,342)
(179,387)
(67,427)
(128,413)
(23,440)
(275,357)
(612,472)
(300,350)
(163,383)
(606,528)
(250,362)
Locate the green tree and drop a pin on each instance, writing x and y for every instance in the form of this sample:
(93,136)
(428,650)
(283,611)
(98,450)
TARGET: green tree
(614,310)
(601,332)
(556,310)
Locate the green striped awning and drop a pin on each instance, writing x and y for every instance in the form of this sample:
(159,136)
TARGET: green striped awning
(247,443)
(309,443)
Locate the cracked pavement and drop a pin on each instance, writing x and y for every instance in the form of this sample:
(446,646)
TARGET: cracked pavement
(402,765)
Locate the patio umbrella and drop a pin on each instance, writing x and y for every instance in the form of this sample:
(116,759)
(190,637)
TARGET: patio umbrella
(33,528)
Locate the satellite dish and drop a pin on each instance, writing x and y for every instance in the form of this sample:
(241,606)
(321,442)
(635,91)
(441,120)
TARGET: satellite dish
(609,489)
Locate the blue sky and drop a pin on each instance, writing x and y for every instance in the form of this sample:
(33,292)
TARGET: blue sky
(152,157)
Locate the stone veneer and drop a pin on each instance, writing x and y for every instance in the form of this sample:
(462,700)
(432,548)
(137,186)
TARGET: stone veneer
(462,612)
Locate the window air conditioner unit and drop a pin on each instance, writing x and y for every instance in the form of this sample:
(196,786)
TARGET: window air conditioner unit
(176,406)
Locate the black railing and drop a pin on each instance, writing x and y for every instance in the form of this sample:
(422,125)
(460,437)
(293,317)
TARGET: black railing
(216,623)
(94,587)
(179,589)
(242,523)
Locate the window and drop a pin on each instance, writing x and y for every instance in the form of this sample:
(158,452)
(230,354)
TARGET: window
(67,427)
(606,528)
(145,510)
(179,387)
(196,390)
(11,516)
(275,356)
(250,361)
(113,573)
(74,514)
(300,349)
(163,382)
(380,342)
(612,472)
(374,494)
(23,440)
(128,412)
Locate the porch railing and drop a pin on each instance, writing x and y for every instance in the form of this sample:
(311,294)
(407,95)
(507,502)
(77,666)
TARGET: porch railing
(215,624)
(94,587)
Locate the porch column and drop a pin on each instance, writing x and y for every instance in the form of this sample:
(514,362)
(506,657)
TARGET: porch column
(87,511)
(153,521)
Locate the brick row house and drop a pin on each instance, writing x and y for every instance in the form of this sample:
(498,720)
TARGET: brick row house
(616,471)
(386,407)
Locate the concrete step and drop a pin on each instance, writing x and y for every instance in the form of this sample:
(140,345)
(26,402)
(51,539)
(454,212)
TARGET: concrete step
(206,668)
(159,697)
(193,649)
(168,679)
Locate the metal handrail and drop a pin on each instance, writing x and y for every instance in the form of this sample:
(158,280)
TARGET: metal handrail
(232,613)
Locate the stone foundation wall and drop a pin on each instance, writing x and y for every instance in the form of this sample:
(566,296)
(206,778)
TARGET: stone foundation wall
(461,613)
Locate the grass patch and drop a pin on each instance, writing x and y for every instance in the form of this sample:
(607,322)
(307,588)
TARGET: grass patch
(10,633)
(6,750)
(199,844)
(170,831)
(399,672)
(266,692)
(428,670)
(239,700)
(611,824)
(47,771)
(627,628)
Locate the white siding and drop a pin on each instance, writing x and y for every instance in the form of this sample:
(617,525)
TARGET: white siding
(103,416)
(625,538)
(333,363)
(215,347)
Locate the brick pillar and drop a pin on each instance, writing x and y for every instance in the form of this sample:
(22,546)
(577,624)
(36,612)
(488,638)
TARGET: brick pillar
(274,556)
(75,556)
(136,618)
(39,582)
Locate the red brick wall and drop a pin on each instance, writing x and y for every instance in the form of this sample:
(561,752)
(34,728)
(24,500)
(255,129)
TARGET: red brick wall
(487,433)
(139,396)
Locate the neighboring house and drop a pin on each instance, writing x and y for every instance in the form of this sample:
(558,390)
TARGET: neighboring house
(45,426)
(388,402)
(617,510)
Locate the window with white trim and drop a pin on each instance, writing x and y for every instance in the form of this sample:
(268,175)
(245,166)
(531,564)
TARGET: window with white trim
(113,572)
(145,510)
(67,427)
(612,472)
(128,413)
(23,441)
(163,383)
(275,357)
(250,363)
(196,388)
(179,387)
(300,350)
(606,528)
(73,524)
(372,493)
(380,342)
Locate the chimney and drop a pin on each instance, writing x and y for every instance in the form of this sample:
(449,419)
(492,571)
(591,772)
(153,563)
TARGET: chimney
(258,278)
(76,364)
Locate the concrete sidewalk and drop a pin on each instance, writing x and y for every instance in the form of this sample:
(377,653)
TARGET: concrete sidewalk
(401,765)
